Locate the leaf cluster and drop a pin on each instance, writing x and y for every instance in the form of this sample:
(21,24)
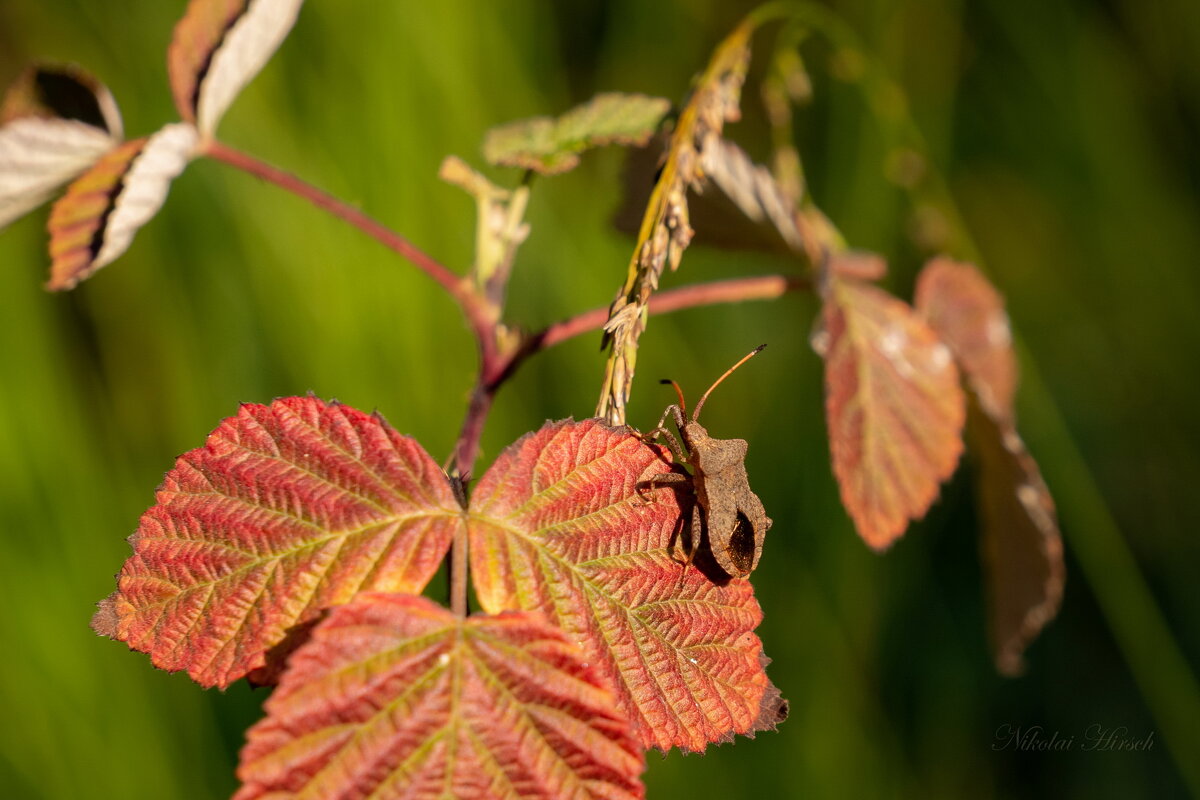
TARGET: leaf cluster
(293,547)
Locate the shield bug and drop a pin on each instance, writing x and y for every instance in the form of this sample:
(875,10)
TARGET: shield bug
(727,511)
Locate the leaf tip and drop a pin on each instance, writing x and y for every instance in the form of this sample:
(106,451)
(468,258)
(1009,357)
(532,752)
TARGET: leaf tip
(105,620)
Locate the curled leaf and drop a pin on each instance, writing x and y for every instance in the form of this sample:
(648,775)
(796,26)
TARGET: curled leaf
(894,407)
(559,525)
(54,124)
(95,221)
(218,47)
(1022,545)
(755,195)
(551,146)
(287,510)
(394,696)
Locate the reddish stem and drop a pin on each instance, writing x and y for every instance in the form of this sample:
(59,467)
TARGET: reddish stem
(734,290)
(494,366)
(456,287)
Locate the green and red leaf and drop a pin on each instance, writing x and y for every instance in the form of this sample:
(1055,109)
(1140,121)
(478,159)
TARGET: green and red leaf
(1022,546)
(549,146)
(287,510)
(562,524)
(218,47)
(894,407)
(55,122)
(96,220)
(394,696)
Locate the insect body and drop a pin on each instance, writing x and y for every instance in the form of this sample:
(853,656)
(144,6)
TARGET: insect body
(726,509)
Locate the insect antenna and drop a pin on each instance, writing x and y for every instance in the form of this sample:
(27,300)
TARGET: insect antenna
(744,359)
(678,393)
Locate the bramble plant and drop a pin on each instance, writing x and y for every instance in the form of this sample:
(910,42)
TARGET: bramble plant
(615,613)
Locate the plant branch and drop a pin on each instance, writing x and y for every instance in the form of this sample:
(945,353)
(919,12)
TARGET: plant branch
(734,290)
(456,287)
(323,200)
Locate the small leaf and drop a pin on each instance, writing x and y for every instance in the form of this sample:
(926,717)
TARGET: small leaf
(1022,546)
(66,93)
(894,407)
(56,122)
(95,221)
(968,314)
(218,47)
(288,509)
(559,525)
(550,146)
(394,696)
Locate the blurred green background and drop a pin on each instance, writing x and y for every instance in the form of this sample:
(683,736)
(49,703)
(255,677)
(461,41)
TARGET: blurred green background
(1067,131)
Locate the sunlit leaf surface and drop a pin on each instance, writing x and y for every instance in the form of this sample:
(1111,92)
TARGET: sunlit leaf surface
(96,220)
(287,510)
(893,404)
(559,525)
(218,47)
(395,697)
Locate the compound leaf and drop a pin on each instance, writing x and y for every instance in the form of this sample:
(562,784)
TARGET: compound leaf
(54,123)
(1022,545)
(894,407)
(286,510)
(218,47)
(562,524)
(97,218)
(394,696)
(551,146)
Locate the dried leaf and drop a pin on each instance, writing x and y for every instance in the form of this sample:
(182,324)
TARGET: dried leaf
(754,192)
(54,124)
(894,407)
(288,509)
(95,221)
(394,696)
(665,231)
(551,146)
(1022,546)
(218,47)
(559,525)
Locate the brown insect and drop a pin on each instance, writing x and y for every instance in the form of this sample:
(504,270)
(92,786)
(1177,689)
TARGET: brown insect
(726,509)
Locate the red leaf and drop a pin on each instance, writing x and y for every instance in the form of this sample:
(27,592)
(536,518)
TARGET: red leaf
(968,314)
(218,47)
(396,697)
(894,408)
(95,221)
(288,509)
(559,525)
(1022,546)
